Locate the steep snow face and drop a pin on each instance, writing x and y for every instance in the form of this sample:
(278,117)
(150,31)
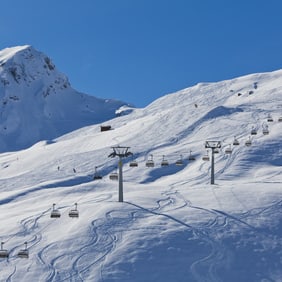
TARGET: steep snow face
(37,101)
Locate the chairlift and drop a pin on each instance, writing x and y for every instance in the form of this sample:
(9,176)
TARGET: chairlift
(191,157)
(206,157)
(253,131)
(236,142)
(55,213)
(180,161)
(24,252)
(248,142)
(269,118)
(133,164)
(3,253)
(265,130)
(97,175)
(114,176)
(164,162)
(228,150)
(280,119)
(150,162)
(74,212)
(216,150)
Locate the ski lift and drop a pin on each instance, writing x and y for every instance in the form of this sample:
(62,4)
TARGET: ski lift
(97,175)
(3,253)
(55,213)
(133,163)
(236,142)
(74,212)
(280,119)
(24,252)
(180,161)
(164,162)
(265,130)
(150,162)
(216,150)
(269,118)
(191,157)
(248,142)
(253,131)
(114,176)
(206,157)
(228,150)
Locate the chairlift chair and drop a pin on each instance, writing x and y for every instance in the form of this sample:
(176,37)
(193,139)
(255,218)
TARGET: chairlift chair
(253,131)
(180,161)
(3,253)
(114,176)
(55,213)
(133,164)
(216,150)
(74,212)
(24,252)
(191,157)
(164,162)
(228,150)
(248,142)
(265,130)
(269,118)
(236,142)
(280,119)
(206,157)
(150,162)
(97,175)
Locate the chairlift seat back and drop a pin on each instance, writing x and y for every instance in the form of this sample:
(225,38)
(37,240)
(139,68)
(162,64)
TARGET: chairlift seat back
(113,176)
(133,164)
(179,162)
(23,254)
(150,163)
(253,132)
(248,143)
(55,214)
(96,177)
(164,163)
(236,142)
(73,213)
(206,158)
(4,254)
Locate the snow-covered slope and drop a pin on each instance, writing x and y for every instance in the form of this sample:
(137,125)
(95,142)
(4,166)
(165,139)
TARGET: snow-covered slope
(173,225)
(37,101)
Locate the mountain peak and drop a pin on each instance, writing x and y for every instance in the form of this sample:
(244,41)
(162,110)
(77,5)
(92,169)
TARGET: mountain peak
(10,52)
(37,101)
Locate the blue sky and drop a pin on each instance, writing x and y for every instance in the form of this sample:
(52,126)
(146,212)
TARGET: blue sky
(139,50)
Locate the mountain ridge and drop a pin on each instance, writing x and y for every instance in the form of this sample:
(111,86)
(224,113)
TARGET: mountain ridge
(37,102)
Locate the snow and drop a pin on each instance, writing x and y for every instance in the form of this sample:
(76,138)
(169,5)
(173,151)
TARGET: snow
(173,224)
(37,101)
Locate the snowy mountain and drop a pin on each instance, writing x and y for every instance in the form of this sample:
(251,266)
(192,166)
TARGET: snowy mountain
(173,224)
(38,103)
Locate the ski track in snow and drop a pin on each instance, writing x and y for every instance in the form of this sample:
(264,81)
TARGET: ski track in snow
(106,232)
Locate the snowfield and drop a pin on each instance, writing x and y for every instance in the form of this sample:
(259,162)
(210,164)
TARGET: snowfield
(173,224)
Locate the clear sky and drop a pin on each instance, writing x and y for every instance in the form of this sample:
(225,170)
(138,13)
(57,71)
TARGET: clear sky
(139,50)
